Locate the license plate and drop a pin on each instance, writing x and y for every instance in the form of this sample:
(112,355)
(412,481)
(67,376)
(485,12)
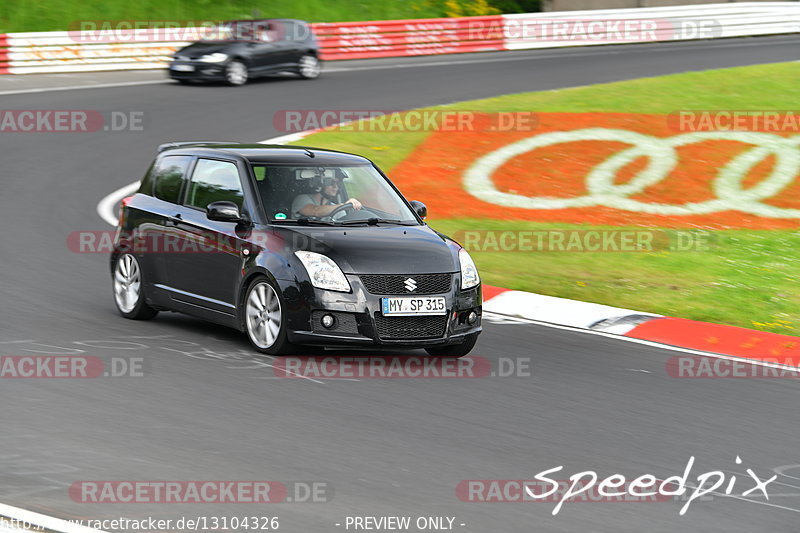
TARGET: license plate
(419,305)
(183,68)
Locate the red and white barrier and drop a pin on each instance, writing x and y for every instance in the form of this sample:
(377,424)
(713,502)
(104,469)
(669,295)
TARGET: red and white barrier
(74,51)
(748,344)
(393,38)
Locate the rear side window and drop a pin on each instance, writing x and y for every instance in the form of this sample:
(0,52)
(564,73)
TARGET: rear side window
(169,174)
(214,181)
(146,185)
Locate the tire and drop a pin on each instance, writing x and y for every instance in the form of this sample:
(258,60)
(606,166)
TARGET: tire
(309,67)
(264,318)
(183,82)
(454,350)
(236,73)
(128,284)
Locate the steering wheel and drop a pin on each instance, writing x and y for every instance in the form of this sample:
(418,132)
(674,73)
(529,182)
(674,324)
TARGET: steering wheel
(340,209)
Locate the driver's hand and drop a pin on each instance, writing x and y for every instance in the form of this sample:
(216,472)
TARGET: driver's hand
(355,203)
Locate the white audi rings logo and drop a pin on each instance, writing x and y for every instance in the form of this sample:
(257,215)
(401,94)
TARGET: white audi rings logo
(661,160)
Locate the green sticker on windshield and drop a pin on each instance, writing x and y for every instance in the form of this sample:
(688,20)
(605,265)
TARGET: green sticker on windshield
(280,216)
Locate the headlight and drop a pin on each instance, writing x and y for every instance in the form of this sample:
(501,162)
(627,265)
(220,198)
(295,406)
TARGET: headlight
(469,273)
(324,273)
(217,57)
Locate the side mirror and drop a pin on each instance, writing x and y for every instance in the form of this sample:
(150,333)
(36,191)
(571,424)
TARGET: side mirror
(223,211)
(420,208)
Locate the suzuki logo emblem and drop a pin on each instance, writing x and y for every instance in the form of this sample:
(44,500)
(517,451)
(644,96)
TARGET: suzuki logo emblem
(411,284)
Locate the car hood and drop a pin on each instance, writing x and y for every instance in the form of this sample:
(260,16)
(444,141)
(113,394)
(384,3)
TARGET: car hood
(380,249)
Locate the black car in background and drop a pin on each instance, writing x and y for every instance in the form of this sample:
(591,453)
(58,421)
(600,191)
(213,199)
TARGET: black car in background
(293,246)
(240,50)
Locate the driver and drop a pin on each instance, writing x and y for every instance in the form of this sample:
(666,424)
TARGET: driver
(321,203)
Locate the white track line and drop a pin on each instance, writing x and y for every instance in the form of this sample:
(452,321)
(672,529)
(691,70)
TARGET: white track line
(106,206)
(44,521)
(79,87)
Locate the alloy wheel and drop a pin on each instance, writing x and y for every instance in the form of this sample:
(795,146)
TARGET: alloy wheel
(127,283)
(263,315)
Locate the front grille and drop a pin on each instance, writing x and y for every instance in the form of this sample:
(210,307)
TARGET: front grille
(410,327)
(397,283)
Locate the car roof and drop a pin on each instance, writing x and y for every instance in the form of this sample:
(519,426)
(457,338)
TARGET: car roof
(238,21)
(267,153)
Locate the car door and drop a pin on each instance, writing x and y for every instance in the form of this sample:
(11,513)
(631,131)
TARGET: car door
(206,268)
(272,51)
(298,37)
(166,180)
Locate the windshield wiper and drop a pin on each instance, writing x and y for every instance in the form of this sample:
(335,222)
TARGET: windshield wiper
(374,221)
(304,222)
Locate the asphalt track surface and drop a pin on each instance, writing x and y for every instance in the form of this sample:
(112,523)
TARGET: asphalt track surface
(208,408)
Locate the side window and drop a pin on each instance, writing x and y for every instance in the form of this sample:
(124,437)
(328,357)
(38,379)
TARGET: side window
(214,181)
(169,174)
(146,185)
(275,31)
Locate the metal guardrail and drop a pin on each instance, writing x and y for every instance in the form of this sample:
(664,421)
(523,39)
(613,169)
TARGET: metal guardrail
(75,51)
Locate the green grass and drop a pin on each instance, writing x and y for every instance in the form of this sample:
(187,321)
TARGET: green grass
(748,277)
(50,15)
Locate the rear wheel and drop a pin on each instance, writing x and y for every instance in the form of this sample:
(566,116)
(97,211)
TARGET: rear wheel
(236,73)
(454,350)
(308,67)
(128,289)
(264,318)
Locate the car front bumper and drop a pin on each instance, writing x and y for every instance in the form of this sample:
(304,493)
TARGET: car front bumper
(180,70)
(360,321)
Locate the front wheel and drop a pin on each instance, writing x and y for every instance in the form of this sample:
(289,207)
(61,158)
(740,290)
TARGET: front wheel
(308,67)
(454,350)
(236,73)
(128,289)
(264,319)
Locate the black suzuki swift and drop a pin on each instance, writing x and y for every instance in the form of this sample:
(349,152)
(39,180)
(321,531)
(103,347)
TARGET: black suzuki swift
(294,246)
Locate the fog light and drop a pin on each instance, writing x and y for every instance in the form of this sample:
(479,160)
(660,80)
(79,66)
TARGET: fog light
(472,317)
(328,321)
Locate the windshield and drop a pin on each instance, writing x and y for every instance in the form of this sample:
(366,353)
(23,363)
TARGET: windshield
(332,195)
(245,30)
